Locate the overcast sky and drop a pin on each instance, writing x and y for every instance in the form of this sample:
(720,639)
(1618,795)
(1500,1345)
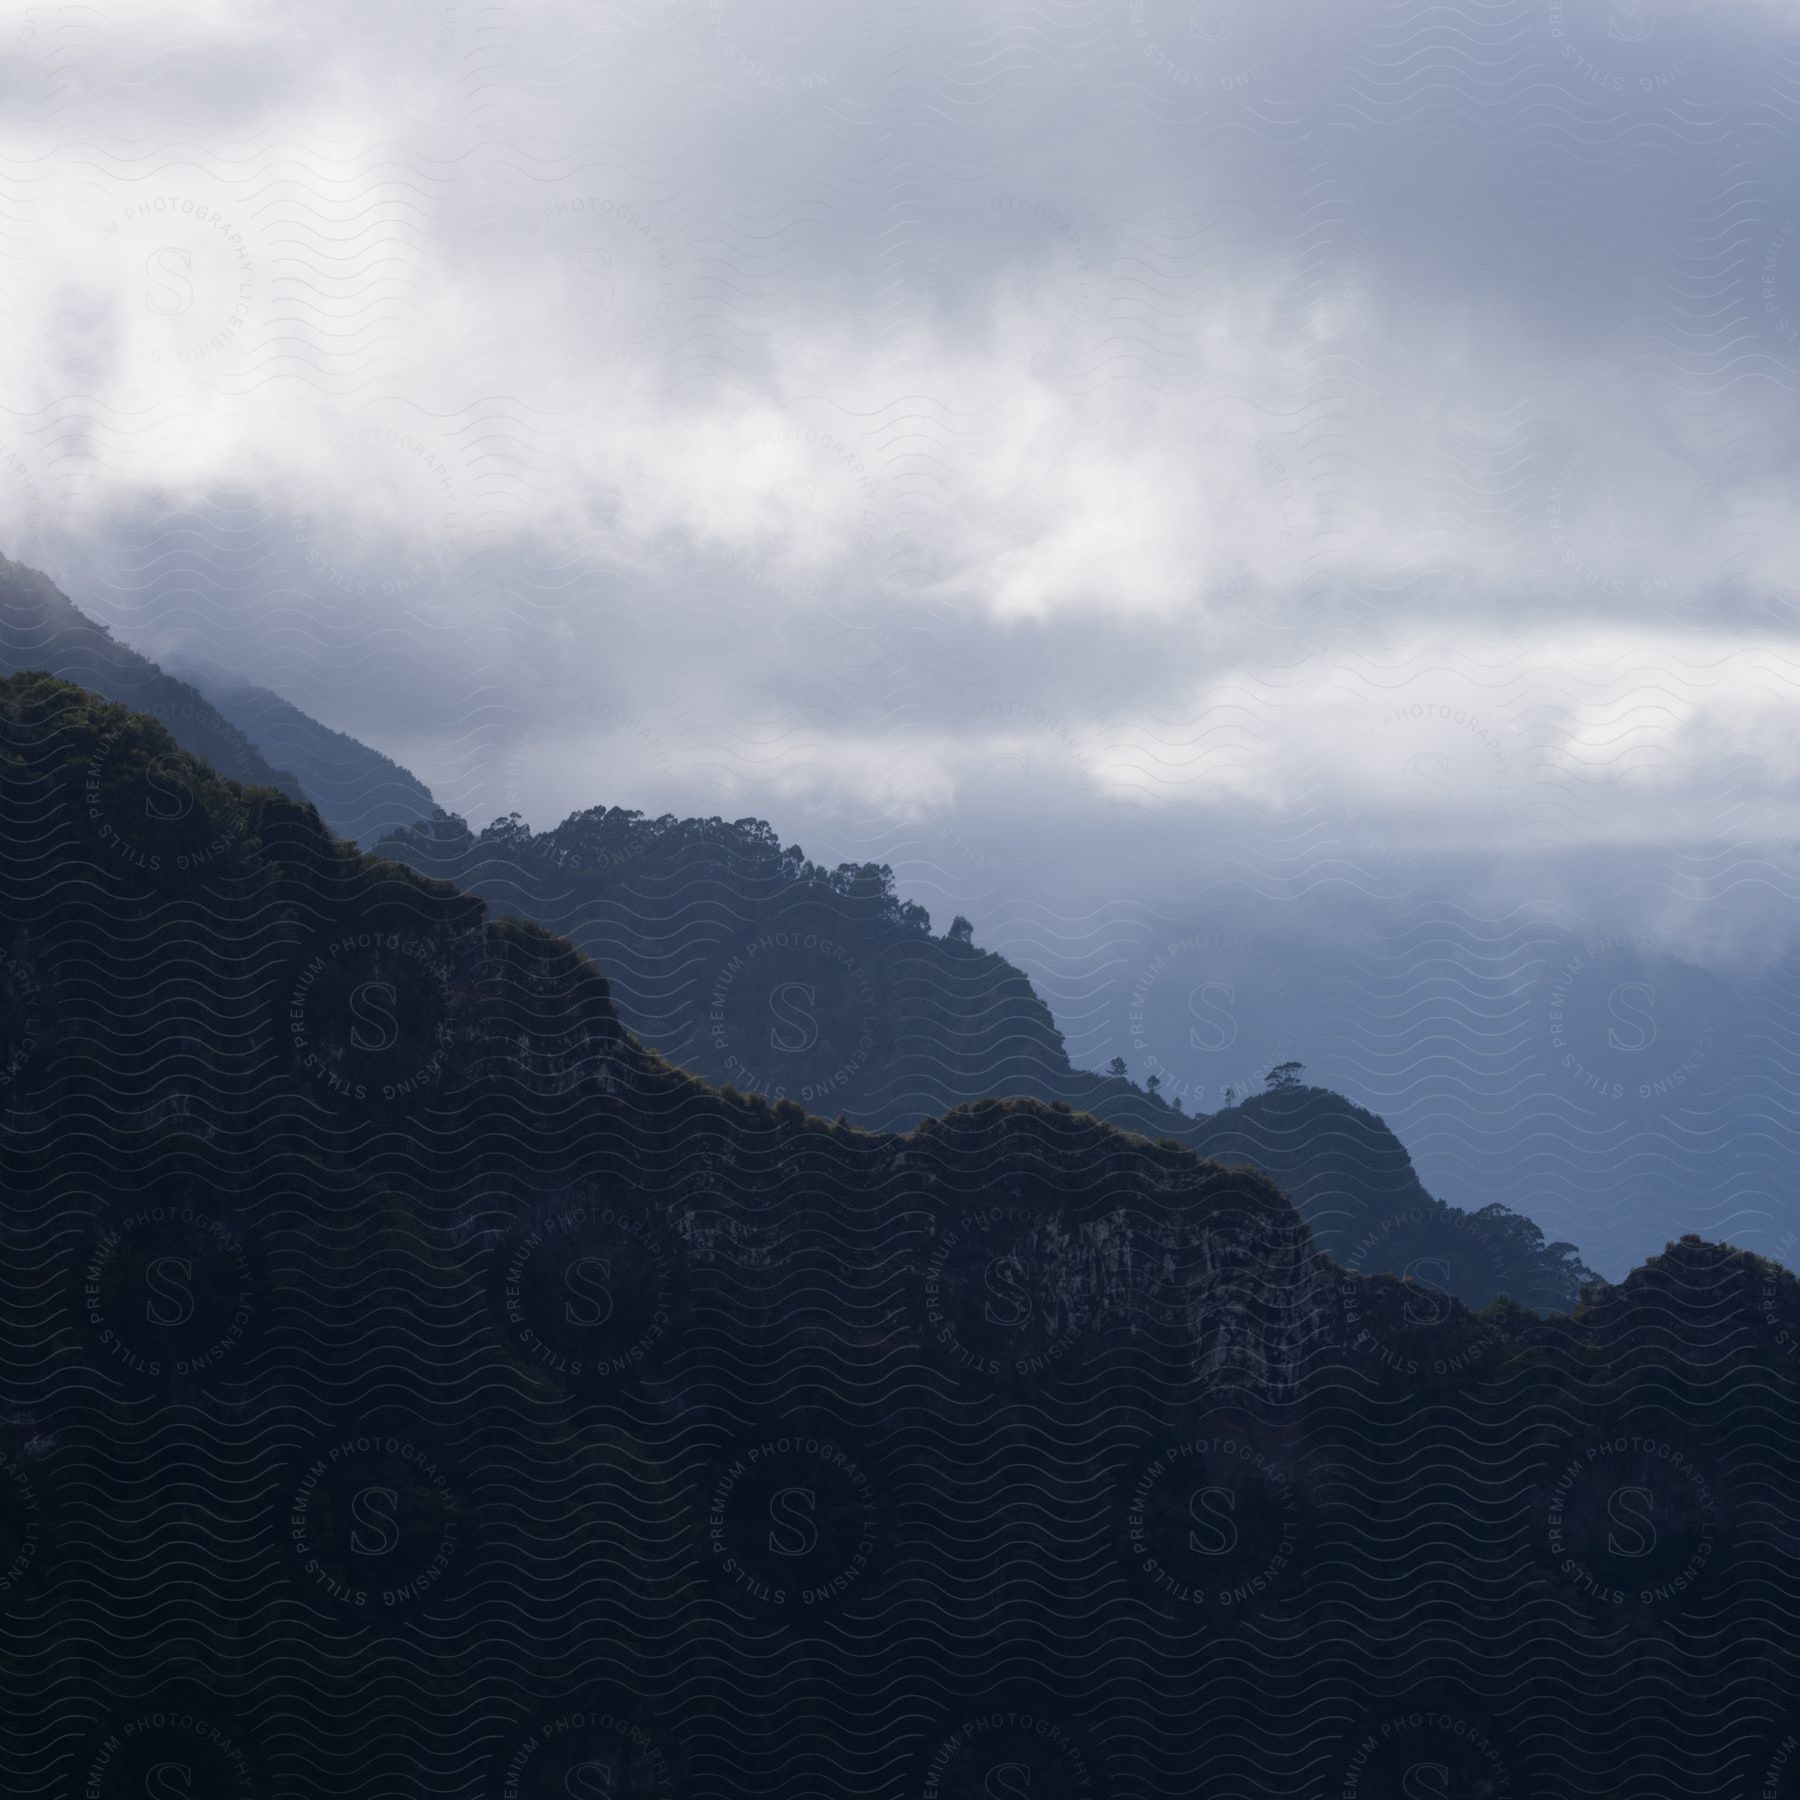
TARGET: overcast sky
(1084,454)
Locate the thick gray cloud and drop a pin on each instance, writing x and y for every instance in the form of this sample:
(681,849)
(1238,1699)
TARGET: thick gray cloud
(1123,463)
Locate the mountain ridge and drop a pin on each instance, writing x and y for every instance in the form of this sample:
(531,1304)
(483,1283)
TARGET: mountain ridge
(509,1356)
(42,628)
(235,829)
(757,945)
(246,732)
(362,794)
(736,956)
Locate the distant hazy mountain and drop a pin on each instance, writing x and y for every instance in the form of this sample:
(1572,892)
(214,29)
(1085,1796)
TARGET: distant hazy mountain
(41,628)
(735,956)
(1354,1182)
(1619,1093)
(361,794)
(245,732)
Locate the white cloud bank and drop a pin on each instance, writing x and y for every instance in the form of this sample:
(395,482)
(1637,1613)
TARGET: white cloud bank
(826,384)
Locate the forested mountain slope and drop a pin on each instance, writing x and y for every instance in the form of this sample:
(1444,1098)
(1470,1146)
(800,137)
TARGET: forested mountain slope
(243,731)
(42,629)
(409,1382)
(739,958)
(361,794)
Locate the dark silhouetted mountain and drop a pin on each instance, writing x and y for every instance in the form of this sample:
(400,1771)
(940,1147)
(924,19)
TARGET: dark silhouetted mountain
(1353,1180)
(414,1383)
(737,957)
